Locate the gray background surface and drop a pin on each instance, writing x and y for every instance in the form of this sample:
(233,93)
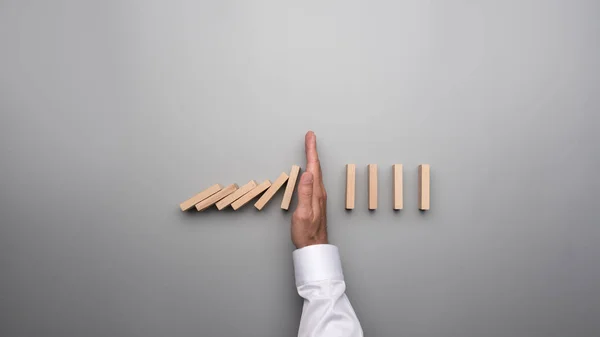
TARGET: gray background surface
(113,112)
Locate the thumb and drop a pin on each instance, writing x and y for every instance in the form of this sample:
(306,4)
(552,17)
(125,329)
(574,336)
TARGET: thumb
(305,191)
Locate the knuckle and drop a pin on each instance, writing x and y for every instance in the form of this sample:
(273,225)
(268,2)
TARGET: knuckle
(305,193)
(302,215)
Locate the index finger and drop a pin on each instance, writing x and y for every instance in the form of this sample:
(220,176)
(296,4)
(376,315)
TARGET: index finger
(312,156)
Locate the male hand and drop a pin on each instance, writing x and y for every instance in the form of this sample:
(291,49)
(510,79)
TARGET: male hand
(309,222)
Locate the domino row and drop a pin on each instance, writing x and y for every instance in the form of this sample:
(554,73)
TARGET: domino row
(236,197)
(424,186)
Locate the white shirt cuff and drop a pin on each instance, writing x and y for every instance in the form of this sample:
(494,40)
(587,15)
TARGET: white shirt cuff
(317,263)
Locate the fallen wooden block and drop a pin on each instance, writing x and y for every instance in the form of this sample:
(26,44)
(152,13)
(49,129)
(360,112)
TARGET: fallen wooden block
(283,177)
(289,189)
(350,185)
(191,202)
(250,195)
(204,204)
(398,195)
(424,181)
(236,195)
(372,186)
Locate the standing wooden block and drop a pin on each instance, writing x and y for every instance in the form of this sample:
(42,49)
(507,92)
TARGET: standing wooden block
(283,177)
(191,202)
(372,186)
(250,195)
(398,197)
(350,185)
(204,204)
(424,188)
(236,195)
(289,189)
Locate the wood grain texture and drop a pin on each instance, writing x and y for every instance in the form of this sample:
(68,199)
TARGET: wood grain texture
(236,195)
(191,202)
(398,193)
(350,185)
(289,189)
(424,187)
(227,190)
(251,195)
(283,177)
(372,186)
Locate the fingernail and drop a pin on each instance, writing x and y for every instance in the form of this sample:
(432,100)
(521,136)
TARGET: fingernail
(307,178)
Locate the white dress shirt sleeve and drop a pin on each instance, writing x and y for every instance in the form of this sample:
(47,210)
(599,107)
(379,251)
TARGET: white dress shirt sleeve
(319,279)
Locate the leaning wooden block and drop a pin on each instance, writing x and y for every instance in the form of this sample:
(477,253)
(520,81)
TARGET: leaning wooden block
(251,195)
(424,180)
(398,196)
(236,195)
(283,177)
(350,185)
(289,189)
(191,202)
(372,186)
(204,204)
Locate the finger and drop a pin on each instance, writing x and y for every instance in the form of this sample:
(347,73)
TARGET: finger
(305,192)
(312,156)
(313,163)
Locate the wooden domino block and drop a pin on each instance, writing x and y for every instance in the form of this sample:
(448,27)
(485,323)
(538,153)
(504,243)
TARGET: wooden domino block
(283,177)
(398,196)
(191,202)
(350,185)
(289,189)
(236,195)
(372,186)
(250,195)
(204,204)
(424,188)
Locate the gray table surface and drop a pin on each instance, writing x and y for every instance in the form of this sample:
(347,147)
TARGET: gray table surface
(113,112)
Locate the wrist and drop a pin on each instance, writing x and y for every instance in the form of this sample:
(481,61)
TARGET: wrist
(311,242)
